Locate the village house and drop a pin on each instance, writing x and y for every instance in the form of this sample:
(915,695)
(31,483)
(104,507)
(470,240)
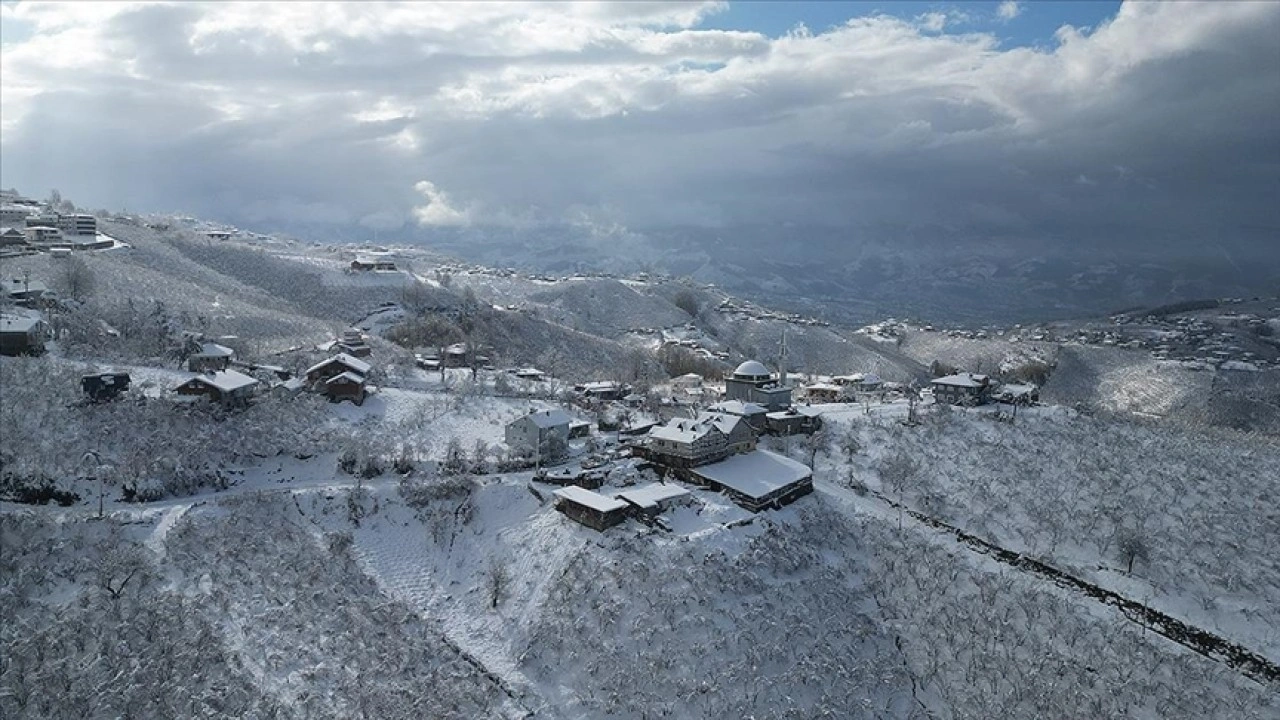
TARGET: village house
(590,508)
(859,382)
(353,343)
(755,415)
(824,392)
(686,381)
(10,236)
(30,293)
(341,377)
(346,386)
(794,420)
(43,235)
(589,478)
(752,382)
(757,480)
(210,357)
(217,234)
(655,498)
(368,264)
(21,333)
(685,443)
(604,390)
(102,387)
(227,387)
(336,365)
(539,431)
(962,389)
(462,355)
(532,374)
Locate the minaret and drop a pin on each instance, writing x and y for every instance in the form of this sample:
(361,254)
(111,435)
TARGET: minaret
(782,361)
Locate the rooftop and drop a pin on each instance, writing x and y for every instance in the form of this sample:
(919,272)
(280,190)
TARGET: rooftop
(650,495)
(738,407)
(752,369)
(549,418)
(683,430)
(214,350)
(587,498)
(972,380)
(755,474)
(345,360)
(18,323)
(224,380)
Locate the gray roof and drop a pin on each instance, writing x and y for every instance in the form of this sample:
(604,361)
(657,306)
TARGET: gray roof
(650,495)
(587,498)
(214,350)
(19,323)
(347,376)
(347,361)
(547,418)
(224,380)
(738,407)
(752,368)
(755,474)
(969,380)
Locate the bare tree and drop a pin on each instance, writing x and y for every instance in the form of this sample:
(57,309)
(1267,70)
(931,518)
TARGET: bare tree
(816,443)
(76,279)
(497,578)
(1132,544)
(898,473)
(120,567)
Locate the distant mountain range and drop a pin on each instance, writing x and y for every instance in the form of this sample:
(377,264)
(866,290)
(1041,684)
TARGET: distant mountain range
(934,274)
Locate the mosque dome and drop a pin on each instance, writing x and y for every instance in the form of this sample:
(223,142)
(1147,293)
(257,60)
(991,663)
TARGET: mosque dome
(752,370)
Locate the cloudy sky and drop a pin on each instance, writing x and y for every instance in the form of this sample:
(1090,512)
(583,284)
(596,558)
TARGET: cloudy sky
(1005,116)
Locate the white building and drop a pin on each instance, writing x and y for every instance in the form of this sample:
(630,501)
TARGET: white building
(539,431)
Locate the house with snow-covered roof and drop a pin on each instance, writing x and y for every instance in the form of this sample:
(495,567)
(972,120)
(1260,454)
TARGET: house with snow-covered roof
(341,377)
(539,431)
(22,333)
(962,389)
(590,508)
(226,387)
(655,498)
(690,442)
(10,236)
(685,442)
(794,420)
(757,480)
(210,357)
(754,414)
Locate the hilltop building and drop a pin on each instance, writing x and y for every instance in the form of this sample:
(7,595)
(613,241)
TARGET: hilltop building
(753,383)
(538,431)
(962,389)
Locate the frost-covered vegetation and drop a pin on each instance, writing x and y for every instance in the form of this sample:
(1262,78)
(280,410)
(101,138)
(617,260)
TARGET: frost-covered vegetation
(1189,511)
(225,620)
(984,642)
(152,446)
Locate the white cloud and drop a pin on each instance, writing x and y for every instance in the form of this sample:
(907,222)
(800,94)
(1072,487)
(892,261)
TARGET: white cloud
(438,210)
(534,112)
(1008,10)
